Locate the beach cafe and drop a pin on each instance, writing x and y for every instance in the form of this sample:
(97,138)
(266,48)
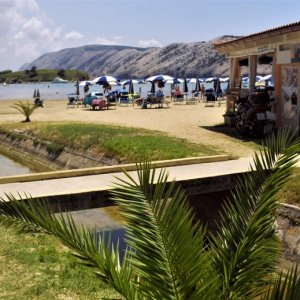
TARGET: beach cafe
(279,47)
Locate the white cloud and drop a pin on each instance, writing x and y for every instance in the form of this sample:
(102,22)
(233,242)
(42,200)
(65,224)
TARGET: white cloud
(27,32)
(74,35)
(118,37)
(104,41)
(150,43)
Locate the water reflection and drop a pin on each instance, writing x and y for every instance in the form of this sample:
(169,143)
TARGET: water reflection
(10,167)
(104,220)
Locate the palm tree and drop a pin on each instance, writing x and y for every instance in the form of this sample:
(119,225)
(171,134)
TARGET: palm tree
(169,254)
(25,108)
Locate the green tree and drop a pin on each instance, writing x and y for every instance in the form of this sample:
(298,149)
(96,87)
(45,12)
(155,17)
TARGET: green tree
(169,254)
(61,73)
(32,72)
(25,108)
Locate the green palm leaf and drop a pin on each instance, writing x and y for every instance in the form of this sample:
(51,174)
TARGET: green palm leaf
(244,249)
(25,108)
(169,252)
(285,286)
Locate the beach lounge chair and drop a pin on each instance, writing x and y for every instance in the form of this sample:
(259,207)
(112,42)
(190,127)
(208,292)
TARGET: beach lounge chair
(100,103)
(124,99)
(87,101)
(111,102)
(178,99)
(72,100)
(211,97)
(157,100)
(192,100)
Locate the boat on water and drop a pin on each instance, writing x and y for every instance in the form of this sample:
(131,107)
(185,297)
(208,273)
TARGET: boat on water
(59,80)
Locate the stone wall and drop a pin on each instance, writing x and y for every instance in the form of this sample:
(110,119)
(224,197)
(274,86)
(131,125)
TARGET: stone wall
(288,230)
(38,152)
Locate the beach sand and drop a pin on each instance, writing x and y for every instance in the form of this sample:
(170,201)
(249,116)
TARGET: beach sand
(195,122)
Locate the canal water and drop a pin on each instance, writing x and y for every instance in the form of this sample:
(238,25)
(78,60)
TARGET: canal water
(104,220)
(8,167)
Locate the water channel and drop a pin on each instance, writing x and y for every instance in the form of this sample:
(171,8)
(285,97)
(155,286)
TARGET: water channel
(9,167)
(104,219)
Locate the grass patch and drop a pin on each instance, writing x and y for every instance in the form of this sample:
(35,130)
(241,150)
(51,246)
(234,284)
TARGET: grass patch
(291,192)
(124,143)
(38,267)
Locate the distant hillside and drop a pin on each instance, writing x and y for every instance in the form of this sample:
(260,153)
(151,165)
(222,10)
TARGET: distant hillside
(177,59)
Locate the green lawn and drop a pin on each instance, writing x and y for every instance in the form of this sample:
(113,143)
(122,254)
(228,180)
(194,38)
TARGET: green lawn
(291,192)
(124,143)
(38,267)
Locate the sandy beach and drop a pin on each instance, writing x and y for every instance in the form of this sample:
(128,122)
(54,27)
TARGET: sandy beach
(195,122)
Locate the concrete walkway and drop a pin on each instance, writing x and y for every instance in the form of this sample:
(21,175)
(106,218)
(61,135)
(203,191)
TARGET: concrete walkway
(102,182)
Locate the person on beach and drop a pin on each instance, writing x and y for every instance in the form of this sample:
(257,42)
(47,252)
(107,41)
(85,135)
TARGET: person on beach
(159,98)
(178,91)
(202,91)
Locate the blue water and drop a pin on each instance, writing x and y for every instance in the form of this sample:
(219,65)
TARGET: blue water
(61,90)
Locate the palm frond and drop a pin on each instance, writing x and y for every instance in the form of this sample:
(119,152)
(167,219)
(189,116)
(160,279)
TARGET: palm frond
(244,249)
(169,251)
(25,108)
(102,256)
(285,286)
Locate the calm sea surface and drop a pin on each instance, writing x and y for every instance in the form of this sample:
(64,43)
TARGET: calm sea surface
(61,90)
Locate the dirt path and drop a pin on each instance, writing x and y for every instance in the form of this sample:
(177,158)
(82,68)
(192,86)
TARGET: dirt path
(196,123)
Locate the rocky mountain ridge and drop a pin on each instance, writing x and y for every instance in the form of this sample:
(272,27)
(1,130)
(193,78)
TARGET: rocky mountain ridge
(177,59)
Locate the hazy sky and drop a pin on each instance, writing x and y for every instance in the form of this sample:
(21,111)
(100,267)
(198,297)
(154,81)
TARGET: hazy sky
(30,28)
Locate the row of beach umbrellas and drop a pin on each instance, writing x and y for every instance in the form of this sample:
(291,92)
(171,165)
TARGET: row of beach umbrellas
(108,81)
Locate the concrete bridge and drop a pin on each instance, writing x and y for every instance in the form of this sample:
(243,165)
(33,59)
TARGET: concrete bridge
(206,181)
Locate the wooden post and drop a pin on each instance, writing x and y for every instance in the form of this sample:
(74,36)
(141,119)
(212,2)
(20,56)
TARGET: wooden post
(252,71)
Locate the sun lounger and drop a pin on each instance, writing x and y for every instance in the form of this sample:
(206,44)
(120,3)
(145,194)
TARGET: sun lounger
(192,100)
(100,103)
(124,98)
(178,99)
(154,100)
(211,97)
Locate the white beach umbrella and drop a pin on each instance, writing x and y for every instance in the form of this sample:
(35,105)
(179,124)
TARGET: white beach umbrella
(174,81)
(160,78)
(257,78)
(104,80)
(266,78)
(211,79)
(125,82)
(194,80)
(226,79)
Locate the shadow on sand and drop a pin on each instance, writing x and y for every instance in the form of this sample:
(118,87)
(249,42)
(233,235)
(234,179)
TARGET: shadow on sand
(232,132)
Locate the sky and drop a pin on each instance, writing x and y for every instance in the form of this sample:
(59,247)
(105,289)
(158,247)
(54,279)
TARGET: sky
(30,28)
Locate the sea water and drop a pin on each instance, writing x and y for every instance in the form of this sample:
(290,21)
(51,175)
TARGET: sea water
(50,90)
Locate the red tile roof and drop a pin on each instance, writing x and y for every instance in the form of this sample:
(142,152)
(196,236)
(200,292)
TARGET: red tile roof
(263,34)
